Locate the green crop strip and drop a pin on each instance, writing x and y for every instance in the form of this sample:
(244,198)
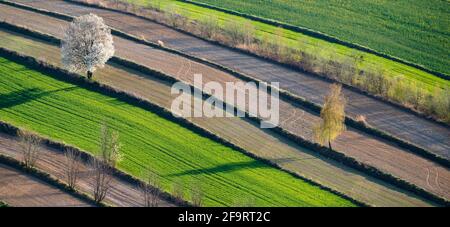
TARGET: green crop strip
(73,115)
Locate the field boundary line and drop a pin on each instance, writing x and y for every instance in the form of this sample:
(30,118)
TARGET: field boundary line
(63,75)
(48,178)
(337,156)
(285,95)
(322,36)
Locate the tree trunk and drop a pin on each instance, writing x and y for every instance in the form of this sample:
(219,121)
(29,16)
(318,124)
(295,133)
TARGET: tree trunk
(89,74)
(329,142)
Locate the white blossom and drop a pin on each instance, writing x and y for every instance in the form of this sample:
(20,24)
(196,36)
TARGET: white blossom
(87,44)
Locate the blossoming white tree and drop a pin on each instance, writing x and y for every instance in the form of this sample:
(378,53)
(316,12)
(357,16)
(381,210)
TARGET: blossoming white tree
(87,45)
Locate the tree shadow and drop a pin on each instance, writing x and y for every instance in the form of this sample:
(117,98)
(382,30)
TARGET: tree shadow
(229,167)
(23,96)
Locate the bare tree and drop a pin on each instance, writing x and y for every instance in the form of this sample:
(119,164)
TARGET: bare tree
(151,190)
(73,165)
(333,117)
(30,148)
(102,178)
(105,162)
(87,45)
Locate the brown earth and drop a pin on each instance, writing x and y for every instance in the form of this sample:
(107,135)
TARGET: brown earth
(51,161)
(19,189)
(241,132)
(402,124)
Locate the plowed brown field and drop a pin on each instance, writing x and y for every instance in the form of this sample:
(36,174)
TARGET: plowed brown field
(19,189)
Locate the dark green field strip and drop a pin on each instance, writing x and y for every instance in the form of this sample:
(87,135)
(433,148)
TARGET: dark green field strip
(72,114)
(245,135)
(416,31)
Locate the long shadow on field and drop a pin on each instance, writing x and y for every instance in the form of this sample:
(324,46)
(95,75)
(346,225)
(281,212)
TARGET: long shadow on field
(20,97)
(254,164)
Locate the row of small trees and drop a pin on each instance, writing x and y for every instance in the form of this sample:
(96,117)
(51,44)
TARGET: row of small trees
(101,166)
(101,169)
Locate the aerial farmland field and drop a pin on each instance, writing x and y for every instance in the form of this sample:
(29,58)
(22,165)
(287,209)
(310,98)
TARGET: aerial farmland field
(238,131)
(204,103)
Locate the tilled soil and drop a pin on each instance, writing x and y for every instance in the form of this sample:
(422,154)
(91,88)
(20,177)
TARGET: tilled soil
(19,189)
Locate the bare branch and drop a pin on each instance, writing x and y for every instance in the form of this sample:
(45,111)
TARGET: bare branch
(151,190)
(30,148)
(73,165)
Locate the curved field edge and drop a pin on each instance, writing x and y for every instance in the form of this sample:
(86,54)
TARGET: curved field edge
(439,69)
(323,151)
(284,94)
(194,162)
(47,178)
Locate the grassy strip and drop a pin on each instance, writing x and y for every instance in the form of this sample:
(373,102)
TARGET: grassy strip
(3,204)
(286,96)
(174,158)
(351,162)
(47,178)
(319,35)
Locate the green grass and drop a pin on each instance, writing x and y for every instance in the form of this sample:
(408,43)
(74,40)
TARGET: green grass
(308,44)
(73,115)
(415,30)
